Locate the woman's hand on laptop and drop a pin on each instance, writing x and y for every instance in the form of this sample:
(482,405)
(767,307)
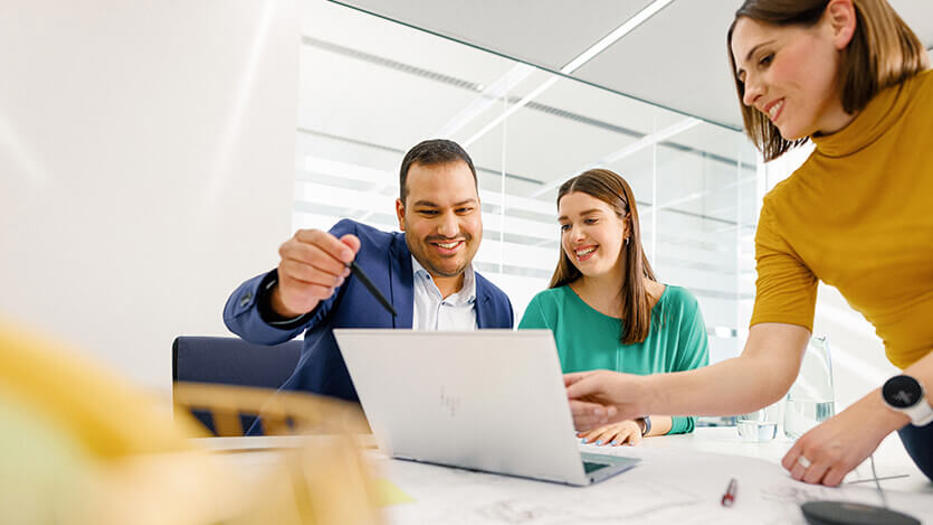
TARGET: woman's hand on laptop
(600,397)
(626,432)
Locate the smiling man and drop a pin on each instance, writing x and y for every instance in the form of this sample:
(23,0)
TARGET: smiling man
(425,272)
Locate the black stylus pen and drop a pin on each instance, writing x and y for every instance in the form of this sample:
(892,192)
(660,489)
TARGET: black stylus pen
(358,272)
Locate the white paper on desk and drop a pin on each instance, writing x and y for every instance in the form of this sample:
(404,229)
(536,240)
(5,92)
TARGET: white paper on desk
(668,486)
(446,495)
(766,493)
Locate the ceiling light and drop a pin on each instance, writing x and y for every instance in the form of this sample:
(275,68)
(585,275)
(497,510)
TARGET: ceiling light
(575,64)
(612,37)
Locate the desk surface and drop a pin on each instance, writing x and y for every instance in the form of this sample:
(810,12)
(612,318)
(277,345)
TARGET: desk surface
(680,479)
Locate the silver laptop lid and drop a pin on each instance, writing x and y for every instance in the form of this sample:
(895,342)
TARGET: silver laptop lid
(489,400)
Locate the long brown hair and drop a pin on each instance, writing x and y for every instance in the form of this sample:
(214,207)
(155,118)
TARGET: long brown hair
(612,189)
(883,52)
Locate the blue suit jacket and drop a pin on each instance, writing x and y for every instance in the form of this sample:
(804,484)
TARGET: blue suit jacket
(386,260)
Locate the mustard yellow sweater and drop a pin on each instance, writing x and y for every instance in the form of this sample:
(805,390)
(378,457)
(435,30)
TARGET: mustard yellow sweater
(858,215)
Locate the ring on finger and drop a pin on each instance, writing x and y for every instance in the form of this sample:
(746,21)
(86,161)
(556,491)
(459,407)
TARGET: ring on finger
(803,461)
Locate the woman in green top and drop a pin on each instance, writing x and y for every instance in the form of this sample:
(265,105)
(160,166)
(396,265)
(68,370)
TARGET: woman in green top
(605,307)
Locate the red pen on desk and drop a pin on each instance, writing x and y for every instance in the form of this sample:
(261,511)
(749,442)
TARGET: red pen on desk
(729,497)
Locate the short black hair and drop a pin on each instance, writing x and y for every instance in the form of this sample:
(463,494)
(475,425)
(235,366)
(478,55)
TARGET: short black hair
(430,153)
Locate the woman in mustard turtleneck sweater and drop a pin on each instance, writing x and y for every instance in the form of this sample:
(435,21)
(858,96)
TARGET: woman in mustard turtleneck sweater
(852,77)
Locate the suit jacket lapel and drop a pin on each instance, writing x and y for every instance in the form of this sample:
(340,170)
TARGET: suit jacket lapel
(401,282)
(482,298)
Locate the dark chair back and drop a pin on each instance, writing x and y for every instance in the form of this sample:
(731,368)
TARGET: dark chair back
(232,361)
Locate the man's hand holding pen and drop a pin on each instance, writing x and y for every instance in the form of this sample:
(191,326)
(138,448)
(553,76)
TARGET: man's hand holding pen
(313,265)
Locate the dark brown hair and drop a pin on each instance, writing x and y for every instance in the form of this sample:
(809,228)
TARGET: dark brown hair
(430,153)
(612,189)
(883,52)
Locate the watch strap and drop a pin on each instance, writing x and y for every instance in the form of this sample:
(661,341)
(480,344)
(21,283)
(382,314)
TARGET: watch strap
(920,414)
(647,421)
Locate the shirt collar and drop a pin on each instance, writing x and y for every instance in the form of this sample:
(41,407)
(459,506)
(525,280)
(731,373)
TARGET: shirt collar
(877,117)
(466,294)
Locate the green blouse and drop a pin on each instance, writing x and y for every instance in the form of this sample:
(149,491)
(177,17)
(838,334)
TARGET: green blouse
(589,340)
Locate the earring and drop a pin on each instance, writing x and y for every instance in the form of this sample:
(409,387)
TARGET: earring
(626,240)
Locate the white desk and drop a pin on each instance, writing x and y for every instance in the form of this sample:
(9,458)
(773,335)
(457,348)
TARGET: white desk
(890,458)
(680,480)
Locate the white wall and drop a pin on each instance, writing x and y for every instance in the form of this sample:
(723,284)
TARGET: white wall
(146,166)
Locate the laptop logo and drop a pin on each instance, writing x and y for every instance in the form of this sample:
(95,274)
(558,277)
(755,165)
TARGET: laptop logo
(449,403)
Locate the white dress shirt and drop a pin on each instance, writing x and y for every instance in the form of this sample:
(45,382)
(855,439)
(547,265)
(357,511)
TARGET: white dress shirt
(433,312)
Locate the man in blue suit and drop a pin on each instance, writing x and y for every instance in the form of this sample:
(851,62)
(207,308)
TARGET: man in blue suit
(425,272)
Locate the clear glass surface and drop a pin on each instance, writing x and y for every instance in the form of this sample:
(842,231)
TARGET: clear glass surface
(761,425)
(811,399)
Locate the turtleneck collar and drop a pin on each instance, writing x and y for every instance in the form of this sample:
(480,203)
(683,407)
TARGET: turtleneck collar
(876,118)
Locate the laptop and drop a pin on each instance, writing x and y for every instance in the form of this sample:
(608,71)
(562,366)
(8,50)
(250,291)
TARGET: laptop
(489,400)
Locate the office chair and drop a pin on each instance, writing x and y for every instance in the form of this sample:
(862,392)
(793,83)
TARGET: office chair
(231,361)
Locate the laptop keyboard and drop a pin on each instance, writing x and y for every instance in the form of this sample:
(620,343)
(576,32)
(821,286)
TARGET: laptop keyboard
(589,466)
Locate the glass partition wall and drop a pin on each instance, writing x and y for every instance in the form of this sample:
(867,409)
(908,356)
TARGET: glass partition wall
(371,88)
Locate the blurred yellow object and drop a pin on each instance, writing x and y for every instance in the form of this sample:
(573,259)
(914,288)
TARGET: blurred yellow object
(107,416)
(80,446)
(390,494)
(281,414)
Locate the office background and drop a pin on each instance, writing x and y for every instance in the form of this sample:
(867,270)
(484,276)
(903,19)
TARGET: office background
(154,155)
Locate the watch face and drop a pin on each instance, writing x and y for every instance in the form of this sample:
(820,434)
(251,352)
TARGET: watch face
(902,391)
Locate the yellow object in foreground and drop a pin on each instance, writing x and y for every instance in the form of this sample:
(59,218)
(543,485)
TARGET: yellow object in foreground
(105,415)
(80,446)
(389,493)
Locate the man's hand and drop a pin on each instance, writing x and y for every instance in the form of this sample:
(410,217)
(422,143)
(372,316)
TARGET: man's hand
(313,266)
(600,397)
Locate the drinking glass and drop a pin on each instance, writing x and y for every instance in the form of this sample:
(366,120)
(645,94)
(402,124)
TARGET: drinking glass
(811,399)
(760,425)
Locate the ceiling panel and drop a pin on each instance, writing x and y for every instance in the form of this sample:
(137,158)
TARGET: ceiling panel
(676,59)
(358,36)
(547,33)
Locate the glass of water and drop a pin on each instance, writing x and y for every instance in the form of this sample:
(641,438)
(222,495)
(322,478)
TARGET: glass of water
(760,425)
(811,399)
